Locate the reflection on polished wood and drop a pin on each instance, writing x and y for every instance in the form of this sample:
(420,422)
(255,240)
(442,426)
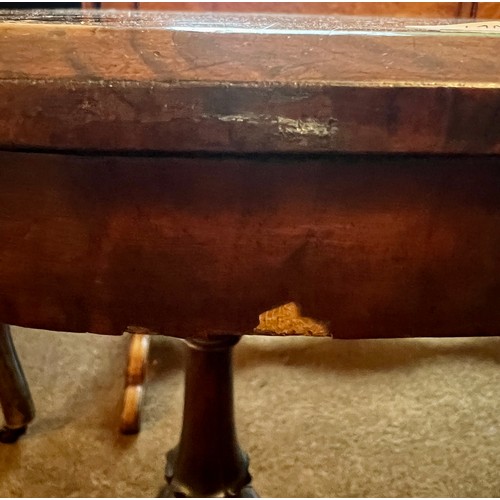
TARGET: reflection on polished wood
(382,9)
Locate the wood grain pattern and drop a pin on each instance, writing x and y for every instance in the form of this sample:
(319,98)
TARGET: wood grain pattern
(198,243)
(121,83)
(369,246)
(488,10)
(482,10)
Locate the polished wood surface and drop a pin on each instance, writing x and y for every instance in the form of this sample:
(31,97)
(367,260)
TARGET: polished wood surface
(488,10)
(182,82)
(384,9)
(369,246)
(130,199)
(208,461)
(381,9)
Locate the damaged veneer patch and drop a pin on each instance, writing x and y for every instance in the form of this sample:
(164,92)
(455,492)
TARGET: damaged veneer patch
(288,127)
(282,320)
(287,320)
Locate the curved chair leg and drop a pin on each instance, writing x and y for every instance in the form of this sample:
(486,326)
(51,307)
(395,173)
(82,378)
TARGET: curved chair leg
(130,420)
(15,397)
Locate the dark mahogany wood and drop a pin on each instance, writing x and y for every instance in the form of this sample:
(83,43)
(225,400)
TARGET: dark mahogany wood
(372,246)
(208,461)
(184,82)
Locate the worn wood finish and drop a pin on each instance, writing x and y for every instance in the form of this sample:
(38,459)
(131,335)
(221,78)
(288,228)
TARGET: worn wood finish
(15,398)
(482,10)
(135,380)
(255,84)
(372,246)
(384,9)
(354,247)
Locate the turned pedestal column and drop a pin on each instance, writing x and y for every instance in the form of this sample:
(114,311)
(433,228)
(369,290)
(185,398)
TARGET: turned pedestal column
(208,461)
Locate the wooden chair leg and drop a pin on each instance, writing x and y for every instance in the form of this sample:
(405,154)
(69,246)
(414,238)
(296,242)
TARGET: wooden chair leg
(130,420)
(15,397)
(208,461)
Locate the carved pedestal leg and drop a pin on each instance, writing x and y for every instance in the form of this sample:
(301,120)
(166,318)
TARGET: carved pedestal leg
(15,397)
(208,461)
(130,420)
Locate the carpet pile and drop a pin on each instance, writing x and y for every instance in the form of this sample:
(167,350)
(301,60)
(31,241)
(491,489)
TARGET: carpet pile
(318,417)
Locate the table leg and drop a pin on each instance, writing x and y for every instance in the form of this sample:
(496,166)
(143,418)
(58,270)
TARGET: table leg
(208,461)
(15,397)
(135,378)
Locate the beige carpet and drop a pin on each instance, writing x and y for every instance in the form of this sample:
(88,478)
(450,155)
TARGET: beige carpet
(318,417)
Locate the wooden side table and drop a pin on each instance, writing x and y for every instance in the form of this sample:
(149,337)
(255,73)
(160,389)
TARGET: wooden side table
(208,177)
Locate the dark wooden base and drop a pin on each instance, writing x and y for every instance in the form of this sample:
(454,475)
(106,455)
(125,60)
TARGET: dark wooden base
(15,397)
(10,436)
(208,461)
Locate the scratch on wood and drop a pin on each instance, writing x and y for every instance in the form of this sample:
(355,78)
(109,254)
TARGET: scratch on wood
(287,320)
(290,127)
(249,118)
(312,127)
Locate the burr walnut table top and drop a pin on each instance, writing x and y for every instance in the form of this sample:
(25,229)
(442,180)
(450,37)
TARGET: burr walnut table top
(144,81)
(199,174)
